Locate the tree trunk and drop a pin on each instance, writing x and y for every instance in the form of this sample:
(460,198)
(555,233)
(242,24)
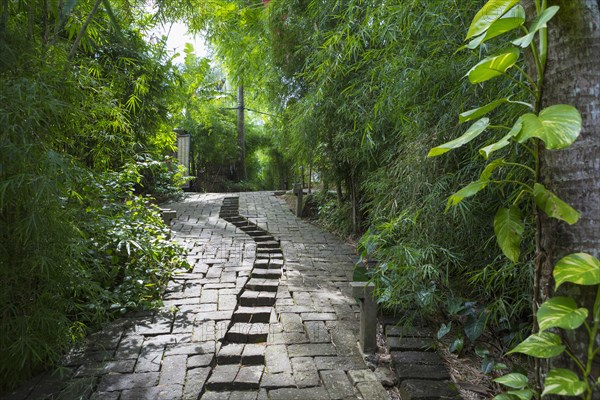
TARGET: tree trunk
(573,77)
(240,131)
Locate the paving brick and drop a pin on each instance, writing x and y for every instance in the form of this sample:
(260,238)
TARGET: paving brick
(248,377)
(277,360)
(254,354)
(394,343)
(362,375)
(318,316)
(163,392)
(279,380)
(267,285)
(415,357)
(194,383)
(242,332)
(291,322)
(311,350)
(230,354)
(299,394)
(149,360)
(345,363)
(199,360)
(173,370)
(252,314)
(337,384)
(428,390)
(305,372)
(373,391)
(222,377)
(418,371)
(111,383)
(243,395)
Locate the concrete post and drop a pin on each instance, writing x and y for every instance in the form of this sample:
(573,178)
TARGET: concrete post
(363,291)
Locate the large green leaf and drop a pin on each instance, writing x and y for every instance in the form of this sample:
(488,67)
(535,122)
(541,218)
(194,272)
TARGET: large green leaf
(523,394)
(470,190)
(513,380)
(493,66)
(509,21)
(480,111)
(490,12)
(553,206)
(561,312)
(537,24)
(563,382)
(578,268)
(557,126)
(471,133)
(505,141)
(509,228)
(540,345)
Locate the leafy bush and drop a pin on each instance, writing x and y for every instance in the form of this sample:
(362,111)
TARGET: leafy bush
(160,179)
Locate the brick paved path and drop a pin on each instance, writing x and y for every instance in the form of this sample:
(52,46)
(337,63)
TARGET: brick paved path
(266,313)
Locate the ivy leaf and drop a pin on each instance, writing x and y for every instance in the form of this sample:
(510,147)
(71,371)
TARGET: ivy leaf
(505,141)
(489,13)
(557,126)
(475,325)
(474,130)
(561,312)
(470,190)
(578,268)
(540,345)
(509,228)
(563,382)
(514,380)
(480,111)
(553,206)
(491,67)
(504,396)
(539,23)
(457,345)
(514,18)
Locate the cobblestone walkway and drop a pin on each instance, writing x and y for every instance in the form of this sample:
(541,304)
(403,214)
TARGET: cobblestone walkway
(266,313)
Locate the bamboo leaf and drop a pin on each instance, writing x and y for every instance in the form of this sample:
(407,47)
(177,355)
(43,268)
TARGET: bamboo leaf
(509,228)
(474,130)
(578,268)
(540,345)
(563,382)
(557,126)
(561,312)
(490,12)
(493,66)
(539,23)
(553,206)
(513,380)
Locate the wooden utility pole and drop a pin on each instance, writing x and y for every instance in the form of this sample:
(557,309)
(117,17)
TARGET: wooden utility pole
(240,128)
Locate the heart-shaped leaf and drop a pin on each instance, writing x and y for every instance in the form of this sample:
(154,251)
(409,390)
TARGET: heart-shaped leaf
(514,18)
(563,382)
(537,24)
(540,345)
(490,12)
(493,66)
(553,206)
(513,380)
(444,330)
(480,111)
(560,312)
(578,268)
(474,130)
(557,126)
(509,228)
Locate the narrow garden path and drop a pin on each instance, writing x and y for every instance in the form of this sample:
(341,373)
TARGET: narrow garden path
(266,313)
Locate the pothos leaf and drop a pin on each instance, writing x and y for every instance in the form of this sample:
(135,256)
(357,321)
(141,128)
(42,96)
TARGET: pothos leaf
(563,382)
(514,18)
(561,312)
(505,141)
(490,12)
(513,380)
(553,206)
(540,345)
(578,268)
(480,111)
(557,126)
(470,190)
(537,24)
(509,228)
(474,130)
(493,66)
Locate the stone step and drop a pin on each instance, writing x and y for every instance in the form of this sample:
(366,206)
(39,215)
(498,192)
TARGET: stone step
(252,314)
(240,353)
(272,273)
(243,332)
(236,378)
(264,238)
(268,245)
(262,285)
(255,232)
(251,298)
